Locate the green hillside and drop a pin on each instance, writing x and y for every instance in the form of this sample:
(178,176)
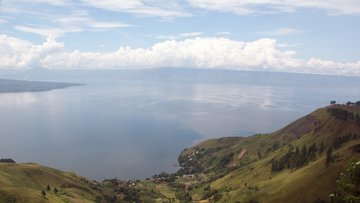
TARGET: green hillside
(268,168)
(25,183)
(301,162)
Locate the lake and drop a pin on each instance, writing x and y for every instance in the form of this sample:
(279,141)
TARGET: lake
(133,130)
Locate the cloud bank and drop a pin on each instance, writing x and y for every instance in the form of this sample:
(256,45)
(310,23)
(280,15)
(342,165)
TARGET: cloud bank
(246,7)
(217,53)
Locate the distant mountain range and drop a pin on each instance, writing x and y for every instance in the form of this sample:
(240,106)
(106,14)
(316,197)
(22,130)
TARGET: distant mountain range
(314,159)
(181,75)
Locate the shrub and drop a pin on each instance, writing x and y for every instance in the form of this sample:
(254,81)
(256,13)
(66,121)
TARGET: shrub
(7,161)
(348,186)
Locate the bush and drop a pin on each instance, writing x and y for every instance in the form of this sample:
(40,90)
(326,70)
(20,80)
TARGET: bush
(340,140)
(348,186)
(341,114)
(7,161)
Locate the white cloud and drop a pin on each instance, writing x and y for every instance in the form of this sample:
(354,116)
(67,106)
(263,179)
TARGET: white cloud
(17,54)
(223,33)
(168,37)
(84,21)
(287,45)
(52,2)
(198,52)
(191,34)
(47,32)
(160,8)
(245,7)
(78,21)
(180,35)
(282,31)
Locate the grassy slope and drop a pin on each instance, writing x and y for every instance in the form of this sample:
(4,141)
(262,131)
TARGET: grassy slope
(302,185)
(24,183)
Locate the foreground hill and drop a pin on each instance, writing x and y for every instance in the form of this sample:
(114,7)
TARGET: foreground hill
(26,183)
(30,182)
(300,163)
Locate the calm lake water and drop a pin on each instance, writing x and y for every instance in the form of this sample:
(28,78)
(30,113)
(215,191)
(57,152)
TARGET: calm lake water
(136,129)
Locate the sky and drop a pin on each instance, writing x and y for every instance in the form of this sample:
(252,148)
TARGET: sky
(303,36)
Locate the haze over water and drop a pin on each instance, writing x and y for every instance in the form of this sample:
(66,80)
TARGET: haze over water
(136,129)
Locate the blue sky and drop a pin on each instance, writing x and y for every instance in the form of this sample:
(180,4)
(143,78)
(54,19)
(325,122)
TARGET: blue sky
(318,36)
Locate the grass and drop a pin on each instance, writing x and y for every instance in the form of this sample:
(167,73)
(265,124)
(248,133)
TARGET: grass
(24,183)
(256,181)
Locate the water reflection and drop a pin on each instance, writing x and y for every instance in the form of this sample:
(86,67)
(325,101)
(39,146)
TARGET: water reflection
(17,98)
(134,130)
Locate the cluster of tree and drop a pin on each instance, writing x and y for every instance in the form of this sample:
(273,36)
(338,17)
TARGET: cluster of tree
(183,196)
(211,193)
(48,188)
(191,167)
(329,158)
(181,193)
(190,163)
(7,161)
(296,158)
(344,114)
(357,118)
(226,159)
(164,177)
(108,198)
(275,146)
(130,194)
(356,148)
(349,103)
(342,139)
(341,114)
(348,186)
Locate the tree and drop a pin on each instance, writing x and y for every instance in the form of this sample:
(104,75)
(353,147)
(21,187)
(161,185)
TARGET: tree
(332,102)
(329,156)
(7,161)
(312,152)
(340,140)
(43,193)
(48,188)
(56,190)
(298,157)
(357,119)
(321,149)
(304,155)
(340,114)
